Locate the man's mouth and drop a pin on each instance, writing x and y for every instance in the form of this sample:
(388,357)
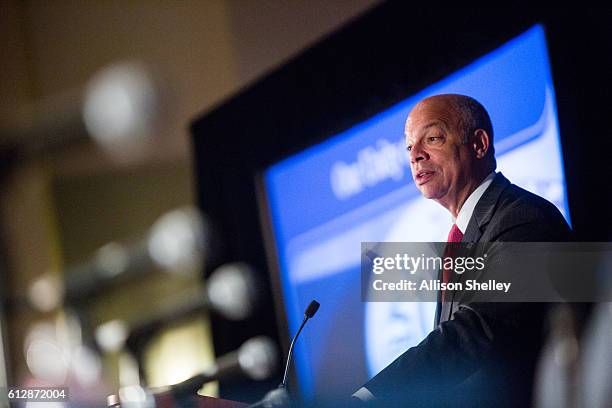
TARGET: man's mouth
(423,176)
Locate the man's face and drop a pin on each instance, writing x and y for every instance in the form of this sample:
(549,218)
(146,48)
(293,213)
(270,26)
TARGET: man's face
(441,163)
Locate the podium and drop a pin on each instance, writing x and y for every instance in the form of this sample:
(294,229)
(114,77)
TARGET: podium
(166,400)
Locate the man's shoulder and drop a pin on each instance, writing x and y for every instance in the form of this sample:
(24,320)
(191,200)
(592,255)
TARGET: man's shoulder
(528,204)
(523,216)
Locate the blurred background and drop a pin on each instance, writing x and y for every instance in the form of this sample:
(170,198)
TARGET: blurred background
(161,177)
(72,185)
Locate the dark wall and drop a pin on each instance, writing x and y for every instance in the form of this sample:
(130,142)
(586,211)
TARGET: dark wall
(378,60)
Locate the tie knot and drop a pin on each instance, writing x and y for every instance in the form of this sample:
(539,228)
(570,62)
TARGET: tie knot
(455,234)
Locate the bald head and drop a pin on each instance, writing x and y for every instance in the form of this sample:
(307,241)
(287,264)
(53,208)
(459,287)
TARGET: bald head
(460,111)
(449,138)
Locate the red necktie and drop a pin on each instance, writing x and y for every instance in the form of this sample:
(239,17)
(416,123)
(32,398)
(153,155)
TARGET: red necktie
(454,235)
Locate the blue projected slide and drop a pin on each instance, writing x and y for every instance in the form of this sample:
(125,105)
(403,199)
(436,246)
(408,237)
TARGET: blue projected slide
(357,187)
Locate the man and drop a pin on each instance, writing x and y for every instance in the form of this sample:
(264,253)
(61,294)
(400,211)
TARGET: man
(480,354)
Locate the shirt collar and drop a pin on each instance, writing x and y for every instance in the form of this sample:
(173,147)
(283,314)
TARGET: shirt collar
(465,213)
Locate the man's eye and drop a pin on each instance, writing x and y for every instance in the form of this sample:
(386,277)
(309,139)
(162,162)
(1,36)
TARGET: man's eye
(409,148)
(433,139)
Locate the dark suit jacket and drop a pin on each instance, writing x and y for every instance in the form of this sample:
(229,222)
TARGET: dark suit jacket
(480,354)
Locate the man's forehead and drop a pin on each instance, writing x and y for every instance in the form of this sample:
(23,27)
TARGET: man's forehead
(431,112)
(413,130)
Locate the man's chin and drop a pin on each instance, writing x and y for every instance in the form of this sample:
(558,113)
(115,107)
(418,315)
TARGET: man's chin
(429,193)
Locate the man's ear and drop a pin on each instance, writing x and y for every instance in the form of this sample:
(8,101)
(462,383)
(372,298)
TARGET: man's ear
(480,143)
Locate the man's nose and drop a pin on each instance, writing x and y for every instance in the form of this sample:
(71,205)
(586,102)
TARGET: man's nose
(417,154)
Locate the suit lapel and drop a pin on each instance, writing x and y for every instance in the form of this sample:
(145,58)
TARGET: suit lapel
(438,304)
(483,212)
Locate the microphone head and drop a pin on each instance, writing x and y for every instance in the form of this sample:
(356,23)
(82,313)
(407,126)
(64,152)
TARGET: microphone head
(258,357)
(124,109)
(312,309)
(178,241)
(233,290)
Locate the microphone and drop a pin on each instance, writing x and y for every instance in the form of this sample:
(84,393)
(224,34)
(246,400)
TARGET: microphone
(177,242)
(257,359)
(122,108)
(309,313)
(232,290)
(279,397)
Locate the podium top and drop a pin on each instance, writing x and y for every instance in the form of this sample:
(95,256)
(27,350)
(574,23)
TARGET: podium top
(166,400)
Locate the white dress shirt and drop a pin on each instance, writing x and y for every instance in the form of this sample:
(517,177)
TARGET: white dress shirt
(467,209)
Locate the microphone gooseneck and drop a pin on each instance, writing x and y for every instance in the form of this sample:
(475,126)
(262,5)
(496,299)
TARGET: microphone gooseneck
(279,397)
(310,312)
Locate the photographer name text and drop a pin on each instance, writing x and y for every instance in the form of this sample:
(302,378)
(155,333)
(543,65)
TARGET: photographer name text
(436,284)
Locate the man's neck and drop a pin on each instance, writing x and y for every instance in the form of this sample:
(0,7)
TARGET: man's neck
(455,206)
